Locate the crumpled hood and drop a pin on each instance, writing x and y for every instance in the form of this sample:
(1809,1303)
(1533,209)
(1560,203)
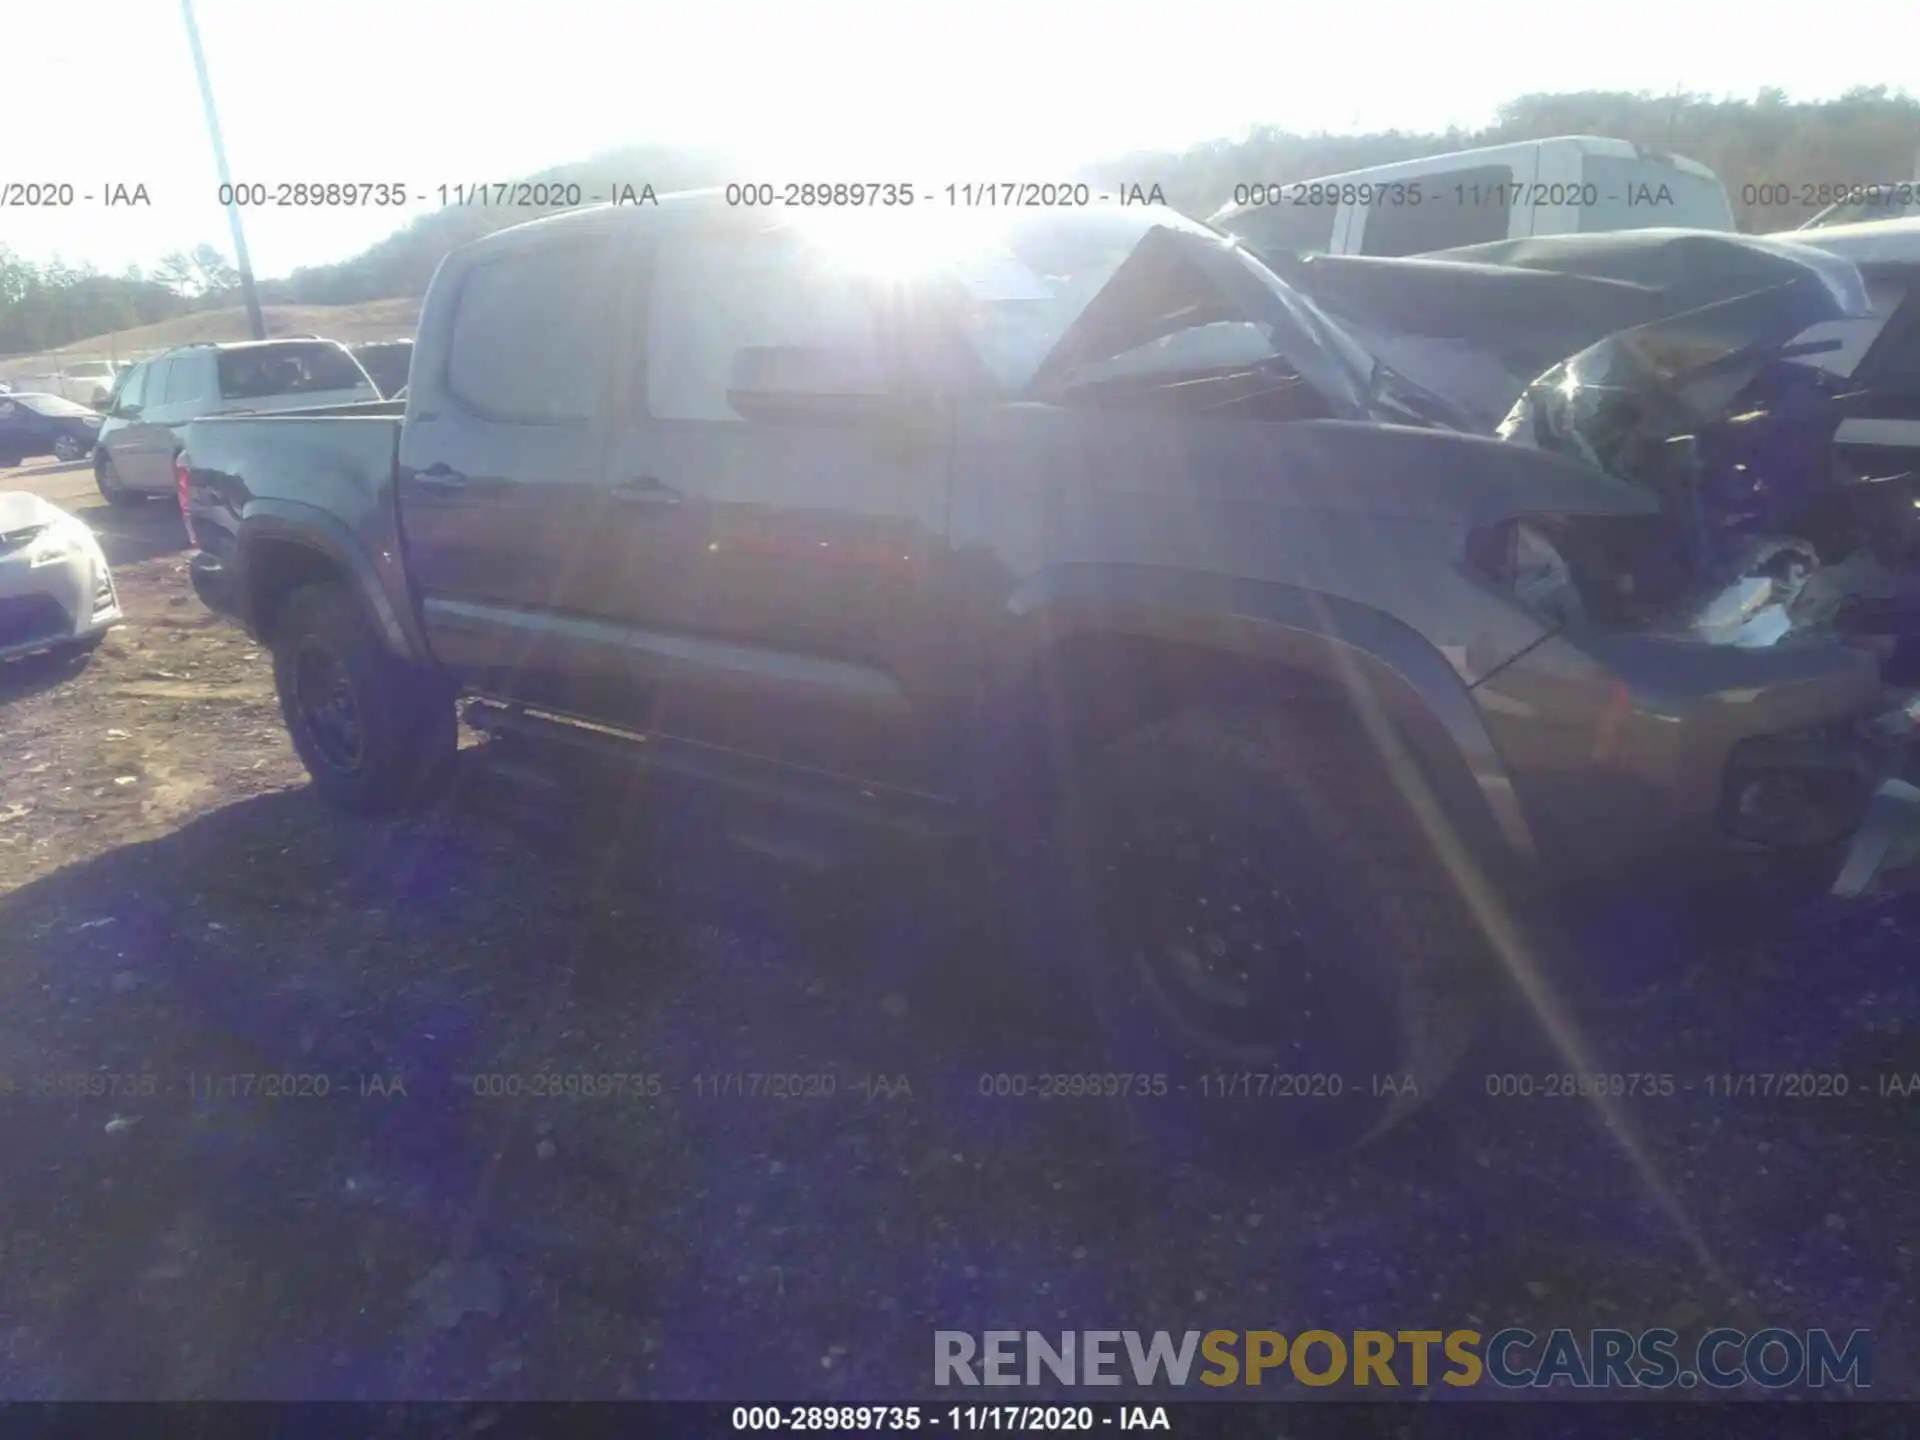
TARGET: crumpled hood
(1484,324)
(1177,279)
(1654,383)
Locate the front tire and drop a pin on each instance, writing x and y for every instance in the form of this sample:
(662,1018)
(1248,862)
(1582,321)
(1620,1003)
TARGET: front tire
(66,449)
(112,488)
(375,734)
(1264,923)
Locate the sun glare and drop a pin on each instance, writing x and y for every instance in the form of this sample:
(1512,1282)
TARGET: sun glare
(899,242)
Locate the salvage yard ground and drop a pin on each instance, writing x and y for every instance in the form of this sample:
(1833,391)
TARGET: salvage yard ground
(175,905)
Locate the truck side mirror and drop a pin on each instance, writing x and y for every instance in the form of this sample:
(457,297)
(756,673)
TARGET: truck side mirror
(798,383)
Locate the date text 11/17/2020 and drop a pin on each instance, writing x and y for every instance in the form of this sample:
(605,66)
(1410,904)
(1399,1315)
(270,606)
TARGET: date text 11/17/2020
(203,1085)
(970,195)
(563,195)
(390,195)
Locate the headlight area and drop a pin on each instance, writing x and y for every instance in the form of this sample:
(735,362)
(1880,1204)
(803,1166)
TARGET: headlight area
(1619,572)
(1769,770)
(63,541)
(1798,791)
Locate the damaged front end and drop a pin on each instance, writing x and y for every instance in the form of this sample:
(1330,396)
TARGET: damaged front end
(1767,541)
(1726,413)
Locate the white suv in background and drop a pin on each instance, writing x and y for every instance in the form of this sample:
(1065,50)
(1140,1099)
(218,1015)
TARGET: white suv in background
(84,382)
(138,440)
(1568,185)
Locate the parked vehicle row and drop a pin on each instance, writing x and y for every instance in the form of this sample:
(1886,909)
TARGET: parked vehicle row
(140,436)
(81,382)
(45,425)
(1264,640)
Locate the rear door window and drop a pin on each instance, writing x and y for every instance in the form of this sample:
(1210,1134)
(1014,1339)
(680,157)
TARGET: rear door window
(295,368)
(133,387)
(157,382)
(1286,227)
(182,380)
(532,335)
(1628,194)
(1468,206)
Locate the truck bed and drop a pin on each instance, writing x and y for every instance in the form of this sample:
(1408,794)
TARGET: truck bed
(328,470)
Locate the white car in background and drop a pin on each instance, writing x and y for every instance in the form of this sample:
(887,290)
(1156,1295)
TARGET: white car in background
(56,592)
(84,382)
(1566,185)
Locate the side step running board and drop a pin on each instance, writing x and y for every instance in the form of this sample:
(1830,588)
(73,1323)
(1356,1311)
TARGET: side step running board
(818,793)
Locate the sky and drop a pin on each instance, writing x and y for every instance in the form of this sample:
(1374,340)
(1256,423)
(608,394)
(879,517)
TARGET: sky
(428,92)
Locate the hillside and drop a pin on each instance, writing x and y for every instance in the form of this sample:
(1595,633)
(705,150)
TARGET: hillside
(1863,136)
(376,320)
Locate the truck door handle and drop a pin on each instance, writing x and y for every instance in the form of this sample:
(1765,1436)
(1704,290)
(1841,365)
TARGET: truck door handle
(645,490)
(441,476)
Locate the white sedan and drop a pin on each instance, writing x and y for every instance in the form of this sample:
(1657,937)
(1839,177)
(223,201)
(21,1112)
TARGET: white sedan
(55,589)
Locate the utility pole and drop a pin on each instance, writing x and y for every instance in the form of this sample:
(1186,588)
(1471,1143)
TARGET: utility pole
(255,320)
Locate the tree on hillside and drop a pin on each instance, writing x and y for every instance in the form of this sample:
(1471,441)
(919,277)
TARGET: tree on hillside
(175,271)
(201,273)
(211,272)
(43,307)
(16,276)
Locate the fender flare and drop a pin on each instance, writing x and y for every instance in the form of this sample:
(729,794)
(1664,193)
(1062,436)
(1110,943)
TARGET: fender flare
(297,523)
(1382,664)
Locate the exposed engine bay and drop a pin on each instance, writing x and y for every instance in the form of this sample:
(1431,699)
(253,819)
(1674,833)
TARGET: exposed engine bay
(1742,359)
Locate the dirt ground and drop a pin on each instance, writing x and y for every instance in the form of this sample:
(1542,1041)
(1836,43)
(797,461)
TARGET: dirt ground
(182,923)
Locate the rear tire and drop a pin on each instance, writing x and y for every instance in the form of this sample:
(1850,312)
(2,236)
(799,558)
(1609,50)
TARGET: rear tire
(375,734)
(1260,919)
(112,488)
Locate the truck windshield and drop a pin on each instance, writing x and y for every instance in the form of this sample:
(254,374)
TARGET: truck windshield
(1023,284)
(1027,282)
(293,369)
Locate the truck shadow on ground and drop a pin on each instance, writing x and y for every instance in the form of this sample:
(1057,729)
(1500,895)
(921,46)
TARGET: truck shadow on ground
(130,534)
(32,675)
(577,1187)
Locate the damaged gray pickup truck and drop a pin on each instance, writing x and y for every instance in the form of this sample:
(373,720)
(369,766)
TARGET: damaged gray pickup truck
(1277,659)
